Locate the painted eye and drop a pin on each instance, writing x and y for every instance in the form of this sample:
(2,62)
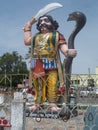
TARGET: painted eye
(47,20)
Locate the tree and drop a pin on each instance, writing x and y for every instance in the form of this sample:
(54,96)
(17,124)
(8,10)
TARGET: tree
(12,63)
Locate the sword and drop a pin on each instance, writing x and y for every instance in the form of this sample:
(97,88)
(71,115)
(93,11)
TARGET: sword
(45,10)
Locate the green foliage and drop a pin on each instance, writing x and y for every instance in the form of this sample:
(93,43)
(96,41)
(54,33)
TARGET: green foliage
(13,63)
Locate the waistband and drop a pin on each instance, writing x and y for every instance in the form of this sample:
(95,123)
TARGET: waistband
(50,57)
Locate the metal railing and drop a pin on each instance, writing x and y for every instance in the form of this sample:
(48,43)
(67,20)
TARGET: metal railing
(87,100)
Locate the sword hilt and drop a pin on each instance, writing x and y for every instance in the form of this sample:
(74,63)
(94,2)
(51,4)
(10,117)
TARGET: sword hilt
(32,21)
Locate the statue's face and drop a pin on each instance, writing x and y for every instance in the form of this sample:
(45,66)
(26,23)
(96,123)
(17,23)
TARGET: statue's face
(45,24)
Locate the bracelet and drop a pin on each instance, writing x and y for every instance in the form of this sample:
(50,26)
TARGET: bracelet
(26,29)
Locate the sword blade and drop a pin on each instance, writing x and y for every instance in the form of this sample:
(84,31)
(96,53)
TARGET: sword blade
(47,9)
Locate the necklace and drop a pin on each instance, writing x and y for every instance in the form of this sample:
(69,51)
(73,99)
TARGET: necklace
(42,38)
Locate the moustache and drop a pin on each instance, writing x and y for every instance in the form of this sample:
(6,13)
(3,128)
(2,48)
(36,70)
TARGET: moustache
(43,25)
(49,27)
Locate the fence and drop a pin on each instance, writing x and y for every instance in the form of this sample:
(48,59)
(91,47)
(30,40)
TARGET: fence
(87,108)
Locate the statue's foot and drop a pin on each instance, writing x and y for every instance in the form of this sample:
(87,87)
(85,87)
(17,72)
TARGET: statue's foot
(55,108)
(33,108)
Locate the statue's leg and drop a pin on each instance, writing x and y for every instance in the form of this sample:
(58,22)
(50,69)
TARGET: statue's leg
(35,87)
(43,89)
(35,83)
(40,90)
(52,86)
(52,82)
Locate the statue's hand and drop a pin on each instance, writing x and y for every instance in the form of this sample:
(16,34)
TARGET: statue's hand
(33,20)
(31,91)
(72,53)
(29,24)
(62,90)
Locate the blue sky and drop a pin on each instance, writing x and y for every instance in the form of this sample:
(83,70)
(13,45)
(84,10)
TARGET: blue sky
(15,13)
